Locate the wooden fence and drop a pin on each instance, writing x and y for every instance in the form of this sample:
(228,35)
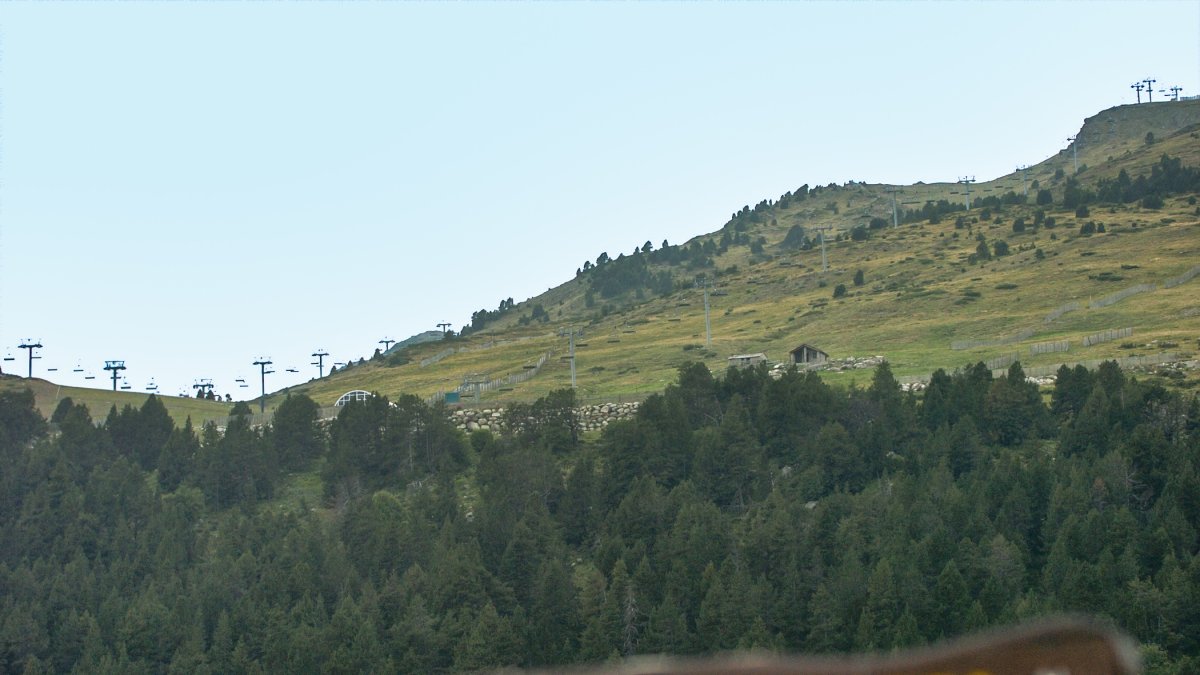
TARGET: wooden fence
(1114,298)
(1106,336)
(1002,361)
(1060,310)
(1020,335)
(430,360)
(1182,278)
(1049,347)
(498,383)
(1092,364)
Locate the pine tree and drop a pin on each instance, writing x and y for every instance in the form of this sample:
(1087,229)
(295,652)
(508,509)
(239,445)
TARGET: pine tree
(602,626)
(177,460)
(295,436)
(553,625)
(578,509)
(952,603)
(491,643)
(882,609)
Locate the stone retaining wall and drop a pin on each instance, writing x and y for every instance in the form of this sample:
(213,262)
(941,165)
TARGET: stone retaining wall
(591,417)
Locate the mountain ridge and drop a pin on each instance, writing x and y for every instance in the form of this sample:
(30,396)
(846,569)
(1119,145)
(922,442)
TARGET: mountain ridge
(921,290)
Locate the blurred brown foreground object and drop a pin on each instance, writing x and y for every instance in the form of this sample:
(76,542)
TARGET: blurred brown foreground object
(1065,646)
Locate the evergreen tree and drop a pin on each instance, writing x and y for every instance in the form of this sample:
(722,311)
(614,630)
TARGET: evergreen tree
(729,460)
(491,643)
(601,635)
(554,626)
(177,460)
(838,458)
(1013,408)
(937,404)
(295,436)
(952,601)
(579,508)
(698,392)
(1090,431)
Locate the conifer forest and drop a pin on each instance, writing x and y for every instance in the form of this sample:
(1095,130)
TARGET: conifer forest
(731,513)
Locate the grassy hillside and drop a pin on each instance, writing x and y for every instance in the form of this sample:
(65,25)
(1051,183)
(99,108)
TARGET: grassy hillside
(100,401)
(920,292)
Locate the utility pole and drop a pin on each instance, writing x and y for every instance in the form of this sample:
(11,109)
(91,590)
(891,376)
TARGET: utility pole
(966,182)
(571,333)
(1149,89)
(31,345)
(1024,169)
(1175,92)
(262,364)
(116,367)
(444,325)
(702,282)
(895,213)
(1074,151)
(824,258)
(1139,87)
(387,342)
(320,355)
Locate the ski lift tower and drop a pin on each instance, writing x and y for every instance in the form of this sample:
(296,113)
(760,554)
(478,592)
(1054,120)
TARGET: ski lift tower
(116,367)
(701,282)
(966,182)
(571,333)
(824,258)
(31,345)
(262,364)
(203,386)
(320,355)
(895,213)
(1024,169)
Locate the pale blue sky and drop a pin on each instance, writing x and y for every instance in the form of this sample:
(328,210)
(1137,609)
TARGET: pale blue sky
(187,186)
